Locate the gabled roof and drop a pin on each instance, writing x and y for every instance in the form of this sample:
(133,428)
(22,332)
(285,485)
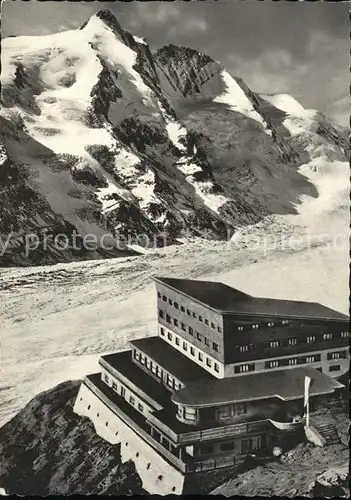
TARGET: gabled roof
(285,384)
(226,299)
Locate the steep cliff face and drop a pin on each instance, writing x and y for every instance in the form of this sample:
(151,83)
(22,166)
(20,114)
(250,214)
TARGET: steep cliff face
(48,450)
(118,140)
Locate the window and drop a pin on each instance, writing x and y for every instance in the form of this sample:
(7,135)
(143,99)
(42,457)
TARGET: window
(142,358)
(185,346)
(336,355)
(219,329)
(137,355)
(344,335)
(162,332)
(188,312)
(216,367)
(132,400)
(169,336)
(177,341)
(176,305)
(170,380)
(170,302)
(327,336)
(292,361)
(190,413)
(200,356)
(206,449)
(273,364)
(310,359)
(191,331)
(243,348)
(311,339)
(164,298)
(158,295)
(292,341)
(175,321)
(208,362)
(249,367)
(148,363)
(270,324)
(140,407)
(240,328)
(114,386)
(206,341)
(255,326)
(285,322)
(192,351)
(168,318)
(106,377)
(182,309)
(199,336)
(183,327)
(159,371)
(239,408)
(161,313)
(194,315)
(153,368)
(200,318)
(229,445)
(334,368)
(274,343)
(215,346)
(88,407)
(206,321)
(213,325)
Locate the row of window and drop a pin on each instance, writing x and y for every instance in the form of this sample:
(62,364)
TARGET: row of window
(310,339)
(189,313)
(247,446)
(232,410)
(189,330)
(255,326)
(156,370)
(122,393)
(300,360)
(181,343)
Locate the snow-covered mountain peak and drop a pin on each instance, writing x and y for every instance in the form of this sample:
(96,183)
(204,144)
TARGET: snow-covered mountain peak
(104,134)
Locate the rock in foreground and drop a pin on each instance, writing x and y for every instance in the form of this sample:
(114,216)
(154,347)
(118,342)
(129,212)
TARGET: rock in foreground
(48,450)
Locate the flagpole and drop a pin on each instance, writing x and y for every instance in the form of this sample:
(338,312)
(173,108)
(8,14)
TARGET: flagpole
(307,400)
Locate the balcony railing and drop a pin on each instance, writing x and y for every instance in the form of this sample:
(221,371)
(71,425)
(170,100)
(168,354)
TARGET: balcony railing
(222,432)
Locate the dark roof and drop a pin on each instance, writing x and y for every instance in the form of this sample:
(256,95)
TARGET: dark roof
(171,360)
(226,299)
(123,363)
(283,384)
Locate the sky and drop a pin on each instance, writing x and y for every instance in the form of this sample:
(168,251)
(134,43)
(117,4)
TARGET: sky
(299,48)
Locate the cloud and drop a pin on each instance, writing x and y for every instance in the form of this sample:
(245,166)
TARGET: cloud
(299,48)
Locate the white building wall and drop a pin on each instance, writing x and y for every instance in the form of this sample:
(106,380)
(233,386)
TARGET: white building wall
(128,393)
(157,475)
(195,359)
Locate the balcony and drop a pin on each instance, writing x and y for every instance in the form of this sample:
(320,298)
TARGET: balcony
(181,434)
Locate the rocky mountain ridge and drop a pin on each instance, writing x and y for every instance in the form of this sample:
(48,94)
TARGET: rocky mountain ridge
(105,137)
(46,449)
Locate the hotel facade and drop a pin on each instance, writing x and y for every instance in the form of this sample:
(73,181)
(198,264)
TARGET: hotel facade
(224,369)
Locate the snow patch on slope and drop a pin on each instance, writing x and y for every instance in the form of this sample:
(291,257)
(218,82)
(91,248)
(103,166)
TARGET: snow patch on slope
(299,119)
(236,99)
(188,167)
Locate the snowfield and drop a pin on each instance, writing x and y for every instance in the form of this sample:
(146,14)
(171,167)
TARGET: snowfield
(58,320)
